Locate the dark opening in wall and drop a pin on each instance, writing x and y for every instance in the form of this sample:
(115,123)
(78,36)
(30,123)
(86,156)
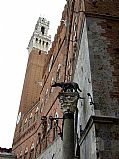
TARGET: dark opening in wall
(46,44)
(43,42)
(43,30)
(39,52)
(40,41)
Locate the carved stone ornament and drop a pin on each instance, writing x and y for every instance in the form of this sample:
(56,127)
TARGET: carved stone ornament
(68,100)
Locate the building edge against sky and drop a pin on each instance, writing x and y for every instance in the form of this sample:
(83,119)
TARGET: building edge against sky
(85,50)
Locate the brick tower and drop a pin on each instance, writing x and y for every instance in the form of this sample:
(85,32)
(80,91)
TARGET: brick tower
(38,54)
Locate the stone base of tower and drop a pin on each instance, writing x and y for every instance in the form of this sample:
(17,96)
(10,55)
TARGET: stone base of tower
(100,139)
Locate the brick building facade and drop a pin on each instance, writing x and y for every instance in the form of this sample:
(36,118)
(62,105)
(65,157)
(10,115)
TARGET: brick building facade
(85,50)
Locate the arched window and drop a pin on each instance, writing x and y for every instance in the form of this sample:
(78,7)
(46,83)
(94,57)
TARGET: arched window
(30,119)
(26,153)
(36,39)
(50,63)
(58,72)
(25,124)
(41,105)
(40,41)
(17,155)
(46,44)
(32,151)
(43,42)
(38,146)
(36,113)
(52,88)
(46,96)
(42,30)
(20,155)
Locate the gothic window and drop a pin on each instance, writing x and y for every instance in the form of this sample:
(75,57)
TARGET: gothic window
(36,113)
(74,35)
(50,63)
(49,125)
(30,119)
(42,30)
(75,31)
(58,72)
(26,153)
(52,88)
(20,155)
(38,146)
(25,124)
(44,128)
(41,105)
(39,138)
(46,96)
(37,151)
(32,151)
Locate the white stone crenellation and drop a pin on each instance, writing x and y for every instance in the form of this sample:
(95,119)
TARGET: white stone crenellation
(40,38)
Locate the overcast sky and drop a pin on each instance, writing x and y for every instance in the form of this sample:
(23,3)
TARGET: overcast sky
(17,22)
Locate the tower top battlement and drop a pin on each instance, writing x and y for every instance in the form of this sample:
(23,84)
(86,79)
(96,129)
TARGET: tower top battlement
(43,21)
(40,38)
